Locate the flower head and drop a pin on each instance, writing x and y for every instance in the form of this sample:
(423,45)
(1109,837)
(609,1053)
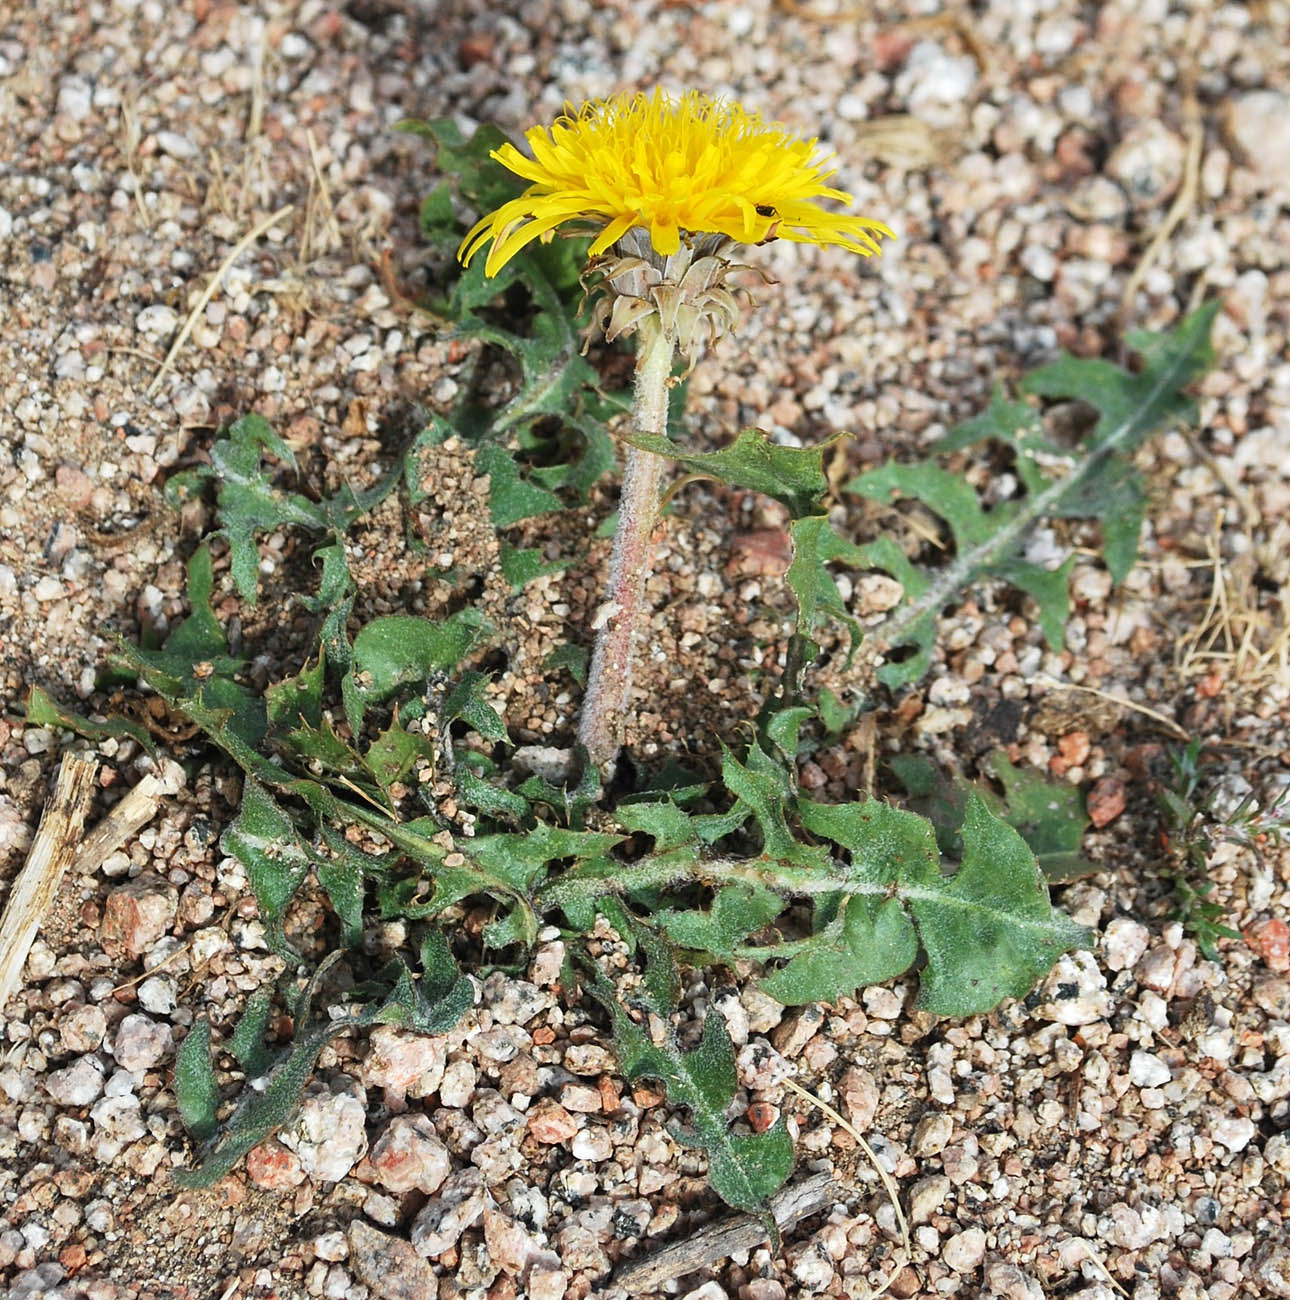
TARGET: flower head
(693,164)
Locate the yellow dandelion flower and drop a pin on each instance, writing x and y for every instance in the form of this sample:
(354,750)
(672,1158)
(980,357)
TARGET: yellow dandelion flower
(693,164)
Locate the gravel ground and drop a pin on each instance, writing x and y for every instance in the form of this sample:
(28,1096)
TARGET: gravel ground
(1124,1130)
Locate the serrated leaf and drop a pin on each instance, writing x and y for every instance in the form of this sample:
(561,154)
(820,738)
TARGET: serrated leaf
(199,638)
(247,1043)
(863,933)
(793,476)
(483,796)
(480,178)
(465,701)
(402,650)
(248,503)
(1049,815)
(569,803)
(522,566)
(44,711)
(974,530)
(511,497)
(260,1114)
(296,699)
(341,876)
(334,600)
(196,1091)
(989,931)
(263,839)
(835,716)
(396,752)
(783,729)
(744,1170)
(816,545)
(434,1004)
(556,384)
(762,786)
(737,912)
(572,658)
(1098,483)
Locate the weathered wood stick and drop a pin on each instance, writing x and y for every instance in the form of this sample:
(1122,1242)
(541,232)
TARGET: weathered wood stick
(57,839)
(718,1241)
(136,810)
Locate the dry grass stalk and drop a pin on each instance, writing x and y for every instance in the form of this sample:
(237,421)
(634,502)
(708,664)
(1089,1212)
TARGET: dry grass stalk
(1147,712)
(321,227)
(888,1183)
(1184,202)
(130,129)
(902,141)
(52,852)
(1237,632)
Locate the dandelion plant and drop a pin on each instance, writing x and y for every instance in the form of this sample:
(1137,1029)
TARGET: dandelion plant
(669,186)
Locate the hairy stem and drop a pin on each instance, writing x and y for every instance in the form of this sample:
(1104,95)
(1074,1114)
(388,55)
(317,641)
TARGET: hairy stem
(609,681)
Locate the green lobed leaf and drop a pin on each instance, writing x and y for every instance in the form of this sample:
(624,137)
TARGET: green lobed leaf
(762,786)
(511,497)
(259,1114)
(744,1170)
(465,701)
(396,752)
(1098,483)
(737,912)
(793,476)
(1049,815)
(816,545)
(974,530)
(264,840)
(863,934)
(247,1043)
(479,177)
(432,1005)
(44,711)
(989,931)
(196,1091)
(402,650)
(522,566)
(341,875)
(438,1000)
(572,658)
(483,796)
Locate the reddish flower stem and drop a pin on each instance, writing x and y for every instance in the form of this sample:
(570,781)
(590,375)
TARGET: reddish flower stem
(623,615)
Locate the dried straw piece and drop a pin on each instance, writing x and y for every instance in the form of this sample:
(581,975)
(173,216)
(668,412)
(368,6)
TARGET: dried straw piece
(55,848)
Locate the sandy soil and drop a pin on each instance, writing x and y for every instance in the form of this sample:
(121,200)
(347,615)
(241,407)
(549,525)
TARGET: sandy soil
(1056,172)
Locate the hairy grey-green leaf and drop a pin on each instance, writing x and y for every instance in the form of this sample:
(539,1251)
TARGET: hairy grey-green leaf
(744,1170)
(816,545)
(511,496)
(1097,481)
(791,475)
(520,566)
(196,1091)
(247,1043)
(264,840)
(401,650)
